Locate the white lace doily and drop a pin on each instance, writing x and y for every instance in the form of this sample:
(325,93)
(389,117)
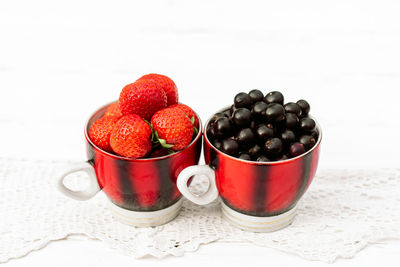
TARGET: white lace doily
(342,212)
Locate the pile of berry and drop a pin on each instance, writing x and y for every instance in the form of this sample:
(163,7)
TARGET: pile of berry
(263,128)
(147,120)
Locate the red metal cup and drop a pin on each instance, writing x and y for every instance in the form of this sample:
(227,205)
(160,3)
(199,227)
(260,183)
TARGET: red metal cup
(142,192)
(255,196)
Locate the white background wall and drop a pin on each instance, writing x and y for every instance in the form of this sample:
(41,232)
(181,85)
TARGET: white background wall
(60,60)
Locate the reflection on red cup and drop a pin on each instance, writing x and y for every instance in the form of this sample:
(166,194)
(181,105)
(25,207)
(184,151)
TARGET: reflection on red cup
(142,192)
(255,196)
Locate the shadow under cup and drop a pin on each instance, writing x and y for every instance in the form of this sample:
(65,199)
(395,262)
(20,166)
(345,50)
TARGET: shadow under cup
(142,192)
(255,196)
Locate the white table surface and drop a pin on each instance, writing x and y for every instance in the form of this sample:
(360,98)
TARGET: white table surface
(59,61)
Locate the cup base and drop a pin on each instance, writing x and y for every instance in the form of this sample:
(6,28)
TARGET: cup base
(255,223)
(145,218)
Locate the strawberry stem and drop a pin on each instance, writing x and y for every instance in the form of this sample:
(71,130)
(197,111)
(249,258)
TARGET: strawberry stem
(152,131)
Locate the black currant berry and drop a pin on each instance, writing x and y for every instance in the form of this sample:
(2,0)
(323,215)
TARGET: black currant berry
(241,117)
(232,109)
(263,132)
(288,137)
(296,149)
(242,100)
(219,115)
(210,132)
(314,134)
(217,144)
(275,112)
(308,141)
(258,110)
(274,97)
(273,146)
(230,147)
(292,121)
(270,125)
(263,158)
(292,108)
(256,95)
(280,125)
(284,157)
(223,127)
(255,151)
(244,156)
(305,107)
(245,138)
(227,112)
(307,124)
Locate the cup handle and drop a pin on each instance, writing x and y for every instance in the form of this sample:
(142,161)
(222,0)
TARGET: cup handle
(182,182)
(85,194)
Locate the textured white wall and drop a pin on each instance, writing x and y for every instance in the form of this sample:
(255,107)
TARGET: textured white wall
(60,61)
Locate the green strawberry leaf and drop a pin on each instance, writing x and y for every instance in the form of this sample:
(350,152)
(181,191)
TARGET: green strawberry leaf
(195,130)
(160,141)
(192,119)
(164,144)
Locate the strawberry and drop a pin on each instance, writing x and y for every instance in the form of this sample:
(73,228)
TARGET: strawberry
(172,128)
(167,84)
(143,98)
(189,112)
(131,137)
(100,131)
(113,110)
